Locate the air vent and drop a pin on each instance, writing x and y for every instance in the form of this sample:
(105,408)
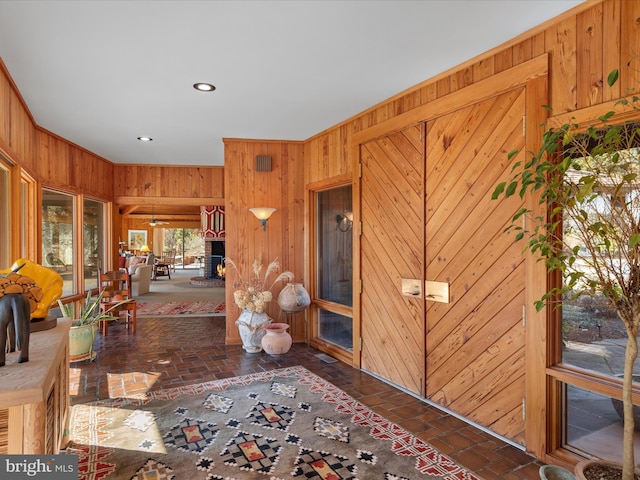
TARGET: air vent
(263,163)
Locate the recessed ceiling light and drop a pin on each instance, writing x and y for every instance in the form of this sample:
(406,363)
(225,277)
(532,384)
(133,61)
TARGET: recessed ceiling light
(204,87)
(145,139)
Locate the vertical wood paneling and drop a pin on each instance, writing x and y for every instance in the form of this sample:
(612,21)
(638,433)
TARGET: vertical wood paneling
(560,42)
(283,189)
(480,333)
(168,181)
(611,25)
(65,166)
(590,77)
(630,47)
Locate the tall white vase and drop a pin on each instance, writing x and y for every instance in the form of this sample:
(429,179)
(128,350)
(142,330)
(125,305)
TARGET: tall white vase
(251,332)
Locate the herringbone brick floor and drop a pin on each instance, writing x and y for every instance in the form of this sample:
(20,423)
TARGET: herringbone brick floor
(170,352)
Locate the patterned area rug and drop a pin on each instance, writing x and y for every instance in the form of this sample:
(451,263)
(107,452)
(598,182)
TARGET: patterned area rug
(200,309)
(279,425)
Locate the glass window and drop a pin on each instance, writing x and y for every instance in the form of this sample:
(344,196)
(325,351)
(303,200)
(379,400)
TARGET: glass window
(5,210)
(594,424)
(335,246)
(57,236)
(188,245)
(336,329)
(94,234)
(590,326)
(593,336)
(334,275)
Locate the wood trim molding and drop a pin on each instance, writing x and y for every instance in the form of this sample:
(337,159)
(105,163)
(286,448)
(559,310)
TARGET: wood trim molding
(511,78)
(590,115)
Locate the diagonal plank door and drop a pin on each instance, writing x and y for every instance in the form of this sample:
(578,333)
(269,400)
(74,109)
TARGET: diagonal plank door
(391,248)
(475,344)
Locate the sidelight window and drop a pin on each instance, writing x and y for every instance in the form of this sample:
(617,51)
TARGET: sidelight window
(334,275)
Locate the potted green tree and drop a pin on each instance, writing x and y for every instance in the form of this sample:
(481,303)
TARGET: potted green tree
(84,324)
(587,179)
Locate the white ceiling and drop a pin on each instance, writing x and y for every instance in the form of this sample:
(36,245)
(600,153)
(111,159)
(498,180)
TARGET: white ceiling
(101,73)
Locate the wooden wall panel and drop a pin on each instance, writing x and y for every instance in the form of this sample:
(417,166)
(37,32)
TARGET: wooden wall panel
(281,188)
(168,181)
(584,45)
(589,74)
(326,154)
(560,42)
(16,126)
(630,47)
(65,166)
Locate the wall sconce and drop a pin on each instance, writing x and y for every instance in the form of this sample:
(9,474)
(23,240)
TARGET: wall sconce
(345,221)
(262,214)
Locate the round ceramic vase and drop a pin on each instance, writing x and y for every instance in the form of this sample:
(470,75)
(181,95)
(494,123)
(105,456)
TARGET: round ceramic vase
(250,325)
(293,298)
(277,340)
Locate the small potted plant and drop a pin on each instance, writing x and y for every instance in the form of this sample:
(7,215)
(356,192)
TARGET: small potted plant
(82,333)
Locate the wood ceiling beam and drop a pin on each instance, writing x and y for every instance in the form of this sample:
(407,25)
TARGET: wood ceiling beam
(191,201)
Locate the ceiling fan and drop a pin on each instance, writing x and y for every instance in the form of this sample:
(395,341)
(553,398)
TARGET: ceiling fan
(154,221)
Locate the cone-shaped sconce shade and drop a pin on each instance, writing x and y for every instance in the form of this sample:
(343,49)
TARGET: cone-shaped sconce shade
(262,214)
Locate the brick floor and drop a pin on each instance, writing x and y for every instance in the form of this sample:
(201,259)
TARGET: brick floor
(169,352)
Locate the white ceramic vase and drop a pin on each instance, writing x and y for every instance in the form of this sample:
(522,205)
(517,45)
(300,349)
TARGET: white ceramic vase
(251,332)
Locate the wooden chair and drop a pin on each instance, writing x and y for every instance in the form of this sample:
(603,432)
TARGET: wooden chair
(169,258)
(115,288)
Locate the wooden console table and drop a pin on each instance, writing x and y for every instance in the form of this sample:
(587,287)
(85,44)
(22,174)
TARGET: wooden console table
(34,396)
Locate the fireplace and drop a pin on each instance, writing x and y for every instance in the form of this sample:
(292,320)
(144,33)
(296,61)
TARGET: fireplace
(214,259)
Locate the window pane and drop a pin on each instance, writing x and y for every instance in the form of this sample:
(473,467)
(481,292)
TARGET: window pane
(93,242)
(593,425)
(57,236)
(188,245)
(336,328)
(5,199)
(335,246)
(589,325)
(24,192)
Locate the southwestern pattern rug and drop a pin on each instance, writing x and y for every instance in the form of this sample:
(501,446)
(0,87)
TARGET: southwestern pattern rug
(200,309)
(279,425)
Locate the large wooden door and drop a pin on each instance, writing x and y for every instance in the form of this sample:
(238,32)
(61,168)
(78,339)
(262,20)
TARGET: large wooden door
(391,248)
(475,360)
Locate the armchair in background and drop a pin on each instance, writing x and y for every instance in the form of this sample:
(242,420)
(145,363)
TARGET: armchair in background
(141,270)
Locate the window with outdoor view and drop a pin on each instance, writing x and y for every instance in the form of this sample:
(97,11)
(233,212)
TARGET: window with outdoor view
(187,244)
(593,337)
(5,261)
(93,239)
(57,236)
